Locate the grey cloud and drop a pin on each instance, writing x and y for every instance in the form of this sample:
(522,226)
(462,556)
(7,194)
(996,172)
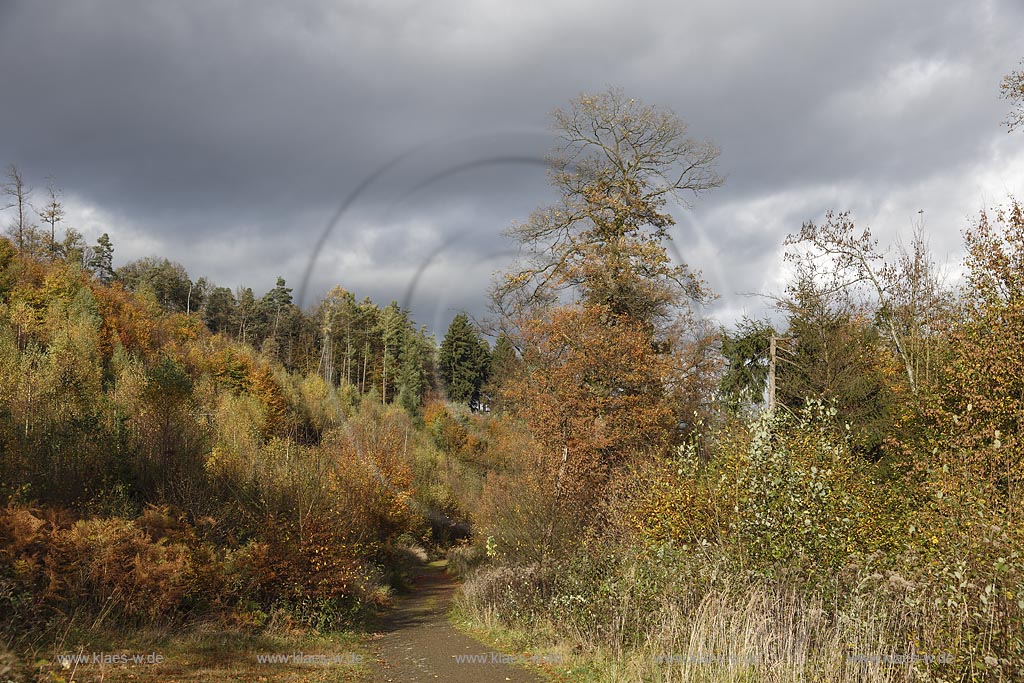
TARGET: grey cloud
(230,132)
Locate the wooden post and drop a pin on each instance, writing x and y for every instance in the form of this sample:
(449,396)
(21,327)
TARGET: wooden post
(771,374)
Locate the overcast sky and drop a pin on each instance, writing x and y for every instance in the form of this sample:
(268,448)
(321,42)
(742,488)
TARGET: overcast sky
(228,136)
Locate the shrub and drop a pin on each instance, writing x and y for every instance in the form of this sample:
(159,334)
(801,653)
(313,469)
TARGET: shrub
(806,501)
(109,568)
(465,558)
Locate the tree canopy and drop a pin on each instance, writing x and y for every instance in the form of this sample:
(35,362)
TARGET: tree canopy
(618,165)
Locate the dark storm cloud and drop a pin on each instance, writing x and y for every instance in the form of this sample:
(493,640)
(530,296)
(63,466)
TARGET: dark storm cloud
(226,134)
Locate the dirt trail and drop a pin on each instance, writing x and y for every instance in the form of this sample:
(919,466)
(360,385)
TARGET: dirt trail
(416,643)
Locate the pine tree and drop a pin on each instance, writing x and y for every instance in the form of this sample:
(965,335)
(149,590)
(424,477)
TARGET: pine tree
(394,323)
(247,317)
(503,366)
(746,350)
(463,361)
(414,378)
(101,261)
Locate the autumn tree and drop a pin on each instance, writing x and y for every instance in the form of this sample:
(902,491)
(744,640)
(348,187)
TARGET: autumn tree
(7,259)
(905,292)
(165,280)
(975,428)
(613,356)
(869,326)
(1012,89)
(594,390)
(605,241)
(219,311)
(73,248)
(618,165)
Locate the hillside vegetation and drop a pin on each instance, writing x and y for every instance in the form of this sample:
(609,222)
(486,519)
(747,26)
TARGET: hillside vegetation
(668,525)
(156,472)
(830,493)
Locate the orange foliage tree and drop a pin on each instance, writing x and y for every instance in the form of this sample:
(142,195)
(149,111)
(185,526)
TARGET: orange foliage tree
(594,392)
(125,321)
(605,378)
(980,412)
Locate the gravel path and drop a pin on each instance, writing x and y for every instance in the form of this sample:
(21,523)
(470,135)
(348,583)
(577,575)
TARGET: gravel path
(416,643)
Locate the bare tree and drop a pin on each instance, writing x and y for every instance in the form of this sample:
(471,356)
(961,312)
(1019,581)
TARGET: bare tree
(619,164)
(52,213)
(909,299)
(19,194)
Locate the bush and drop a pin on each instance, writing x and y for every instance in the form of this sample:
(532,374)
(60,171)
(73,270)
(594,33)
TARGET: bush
(806,503)
(158,569)
(466,558)
(108,568)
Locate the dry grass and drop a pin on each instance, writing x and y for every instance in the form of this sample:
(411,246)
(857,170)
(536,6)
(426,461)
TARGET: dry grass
(202,654)
(748,634)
